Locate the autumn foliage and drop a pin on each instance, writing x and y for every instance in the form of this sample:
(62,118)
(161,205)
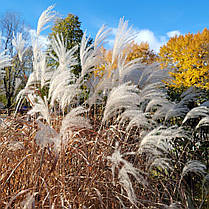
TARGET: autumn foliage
(188,56)
(108,143)
(132,51)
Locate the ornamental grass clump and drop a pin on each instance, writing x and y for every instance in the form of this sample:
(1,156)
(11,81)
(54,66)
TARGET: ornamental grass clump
(124,145)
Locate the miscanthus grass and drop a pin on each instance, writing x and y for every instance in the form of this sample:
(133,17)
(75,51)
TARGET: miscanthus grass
(125,145)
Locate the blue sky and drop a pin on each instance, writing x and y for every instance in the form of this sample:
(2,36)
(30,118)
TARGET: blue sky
(155,20)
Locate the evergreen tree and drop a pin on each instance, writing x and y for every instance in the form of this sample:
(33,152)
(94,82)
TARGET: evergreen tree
(70,29)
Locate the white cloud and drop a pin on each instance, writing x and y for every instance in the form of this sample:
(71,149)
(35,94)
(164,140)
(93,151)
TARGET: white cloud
(146,35)
(171,34)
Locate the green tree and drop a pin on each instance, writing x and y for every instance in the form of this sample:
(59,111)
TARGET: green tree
(70,29)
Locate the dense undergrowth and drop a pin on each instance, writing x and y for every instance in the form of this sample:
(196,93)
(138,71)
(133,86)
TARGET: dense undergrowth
(116,142)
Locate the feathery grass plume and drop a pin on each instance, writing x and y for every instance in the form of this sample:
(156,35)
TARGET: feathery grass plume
(123,175)
(191,93)
(124,68)
(203,123)
(163,133)
(123,37)
(189,96)
(87,56)
(101,35)
(65,91)
(127,115)
(161,162)
(90,55)
(152,74)
(143,121)
(102,86)
(149,92)
(197,112)
(46,135)
(19,44)
(180,109)
(162,111)
(40,76)
(99,90)
(5,60)
(69,96)
(74,121)
(115,77)
(175,112)
(38,60)
(160,106)
(159,142)
(32,80)
(158,75)
(66,58)
(157,103)
(24,93)
(145,72)
(45,72)
(125,182)
(194,166)
(63,87)
(47,16)
(136,118)
(120,98)
(61,77)
(156,142)
(41,107)
(130,71)
(18,82)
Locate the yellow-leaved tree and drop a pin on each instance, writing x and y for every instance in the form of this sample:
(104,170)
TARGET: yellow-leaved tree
(188,56)
(133,51)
